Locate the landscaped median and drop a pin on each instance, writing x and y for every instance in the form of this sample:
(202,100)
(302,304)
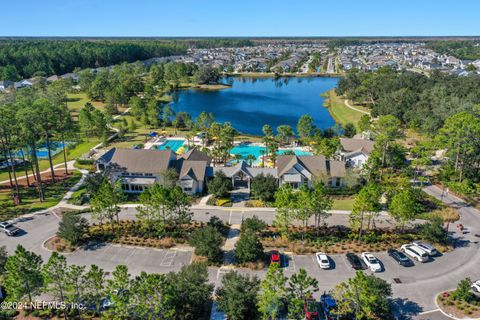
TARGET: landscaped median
(134,233)
(460,303)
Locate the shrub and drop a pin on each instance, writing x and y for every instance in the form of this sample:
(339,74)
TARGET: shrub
(212,201)
(220,185)
(263,187)
(207,242)
(463,293)
(253,224)
(223,202)
(218,224)
(255,204)
(72,228)
(447,214)
(433,231)
(248,248)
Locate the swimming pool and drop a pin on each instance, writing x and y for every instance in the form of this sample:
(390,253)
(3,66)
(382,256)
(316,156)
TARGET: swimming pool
(171,144)
(256,151)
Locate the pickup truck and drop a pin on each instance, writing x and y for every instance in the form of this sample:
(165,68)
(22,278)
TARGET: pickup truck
(8,228)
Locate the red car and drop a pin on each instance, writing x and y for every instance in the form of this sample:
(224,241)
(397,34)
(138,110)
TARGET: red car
(275,257)
(311,309)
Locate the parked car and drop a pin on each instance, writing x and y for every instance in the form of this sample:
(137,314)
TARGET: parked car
(428,248)
(8,228)
(311,309)
(355,261)
(476,286)
(400,257)
(415,252)
(323,260)
(275,257)
(328,304)
(372,262)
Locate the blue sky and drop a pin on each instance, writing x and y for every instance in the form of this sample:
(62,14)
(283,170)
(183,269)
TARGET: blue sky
(239,17)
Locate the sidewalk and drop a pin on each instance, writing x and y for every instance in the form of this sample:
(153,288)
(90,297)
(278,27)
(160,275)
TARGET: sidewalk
(229,246)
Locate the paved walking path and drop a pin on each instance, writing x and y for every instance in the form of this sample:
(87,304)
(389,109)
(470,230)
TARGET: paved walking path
(353,108)
(229,245)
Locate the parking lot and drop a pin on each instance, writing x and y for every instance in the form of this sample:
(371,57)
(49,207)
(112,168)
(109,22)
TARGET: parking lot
(414,288)
(137,259)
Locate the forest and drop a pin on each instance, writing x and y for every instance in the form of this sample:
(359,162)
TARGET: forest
(26,58)
(419,101)
(465,50)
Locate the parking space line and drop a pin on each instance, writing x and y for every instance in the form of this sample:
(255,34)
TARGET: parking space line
(167,260)
(345,260)
(291,263)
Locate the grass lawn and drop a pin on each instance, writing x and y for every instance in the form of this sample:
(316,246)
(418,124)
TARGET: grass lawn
(30,201)
(340,112)
(343,204)
(76,101)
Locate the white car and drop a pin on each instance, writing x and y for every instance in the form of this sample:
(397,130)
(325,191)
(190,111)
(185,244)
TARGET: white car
(428,248)
(323,260)
(415,252)
(476,286)
(372,262)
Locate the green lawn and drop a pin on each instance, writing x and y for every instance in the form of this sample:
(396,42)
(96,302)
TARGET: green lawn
(30,201)
(340,112)
(343,204)
(76,101)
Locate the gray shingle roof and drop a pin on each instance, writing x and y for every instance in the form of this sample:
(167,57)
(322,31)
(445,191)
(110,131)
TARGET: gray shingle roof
(139,160)
(242,166)
(196,155)
(193,169)
(316,165)
(350,145)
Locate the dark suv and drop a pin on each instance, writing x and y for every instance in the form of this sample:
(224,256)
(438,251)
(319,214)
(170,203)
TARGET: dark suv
(355,261)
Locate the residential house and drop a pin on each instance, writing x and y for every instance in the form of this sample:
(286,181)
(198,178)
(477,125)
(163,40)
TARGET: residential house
(53,78)
(355,152)
(72,76)
(139,169)
(23,83)
(304,170)
(242,174)
(293,170)
(5,84)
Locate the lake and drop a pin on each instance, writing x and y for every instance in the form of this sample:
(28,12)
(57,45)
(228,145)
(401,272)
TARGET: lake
(252,102)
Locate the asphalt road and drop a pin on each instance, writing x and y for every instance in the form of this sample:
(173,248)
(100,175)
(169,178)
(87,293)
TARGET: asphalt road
(414,295)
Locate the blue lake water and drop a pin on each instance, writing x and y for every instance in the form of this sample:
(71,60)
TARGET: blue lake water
(252,102)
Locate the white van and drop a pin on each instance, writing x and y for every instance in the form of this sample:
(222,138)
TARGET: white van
(415,252)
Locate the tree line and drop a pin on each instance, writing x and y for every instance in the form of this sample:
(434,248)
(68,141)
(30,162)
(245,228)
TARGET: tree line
(31,119)
(419,101)
(26,58)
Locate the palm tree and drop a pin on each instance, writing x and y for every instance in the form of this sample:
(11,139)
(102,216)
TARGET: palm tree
(251,158)
(238,157)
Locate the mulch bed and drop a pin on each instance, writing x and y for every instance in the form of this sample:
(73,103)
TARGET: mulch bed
(458,309)
(46,177)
